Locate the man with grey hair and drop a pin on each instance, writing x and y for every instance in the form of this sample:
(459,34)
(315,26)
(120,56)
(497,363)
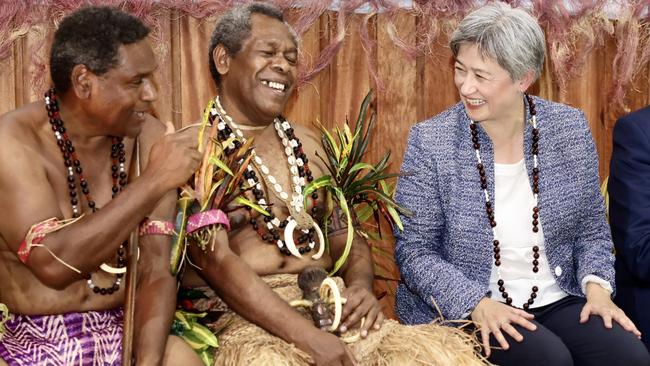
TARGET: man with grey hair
(253,268)
(509,227)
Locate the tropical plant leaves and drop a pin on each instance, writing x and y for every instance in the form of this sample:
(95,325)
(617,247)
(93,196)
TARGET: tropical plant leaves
(359,188)
(246,202)
(199,337)
(220,164)
(216,183)
(343,204)
(178,239)
(317,184)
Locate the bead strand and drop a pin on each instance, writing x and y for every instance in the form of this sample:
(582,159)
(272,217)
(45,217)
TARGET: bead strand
(490,210)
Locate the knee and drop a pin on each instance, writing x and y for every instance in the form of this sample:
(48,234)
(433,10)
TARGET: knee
(633,353)
(539,348)
(553,353)
(178,352)
(560,356)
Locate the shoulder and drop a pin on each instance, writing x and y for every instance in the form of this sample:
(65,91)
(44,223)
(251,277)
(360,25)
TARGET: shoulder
(19,129)
(22,121)
(152,129)
(637,120)
(310,138)
(438,134)
(639,116)
(23,134)
(560,120)
(442,122)
(305,132)
(558,113)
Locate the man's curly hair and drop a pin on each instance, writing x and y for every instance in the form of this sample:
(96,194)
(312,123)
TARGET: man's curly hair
(91,36)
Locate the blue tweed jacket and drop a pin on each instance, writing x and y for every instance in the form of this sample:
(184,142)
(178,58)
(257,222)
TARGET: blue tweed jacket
(445,251)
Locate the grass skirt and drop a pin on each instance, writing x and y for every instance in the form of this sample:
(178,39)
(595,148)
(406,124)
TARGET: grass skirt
(243,343)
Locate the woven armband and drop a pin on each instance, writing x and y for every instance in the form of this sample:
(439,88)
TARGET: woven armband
(206,218)
(36,234)
(156,227)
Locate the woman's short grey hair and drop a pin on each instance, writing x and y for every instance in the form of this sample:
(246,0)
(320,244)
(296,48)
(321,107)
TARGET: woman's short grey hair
(234,27)
(510,36)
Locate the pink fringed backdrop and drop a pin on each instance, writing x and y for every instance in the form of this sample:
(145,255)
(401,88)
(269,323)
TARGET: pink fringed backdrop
(595,63)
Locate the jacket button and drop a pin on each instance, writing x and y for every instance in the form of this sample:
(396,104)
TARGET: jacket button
(558,271)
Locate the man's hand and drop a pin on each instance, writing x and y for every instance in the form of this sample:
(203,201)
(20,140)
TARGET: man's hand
(600,303)
(493,317)
(327,349)
(361,302)
(174,158)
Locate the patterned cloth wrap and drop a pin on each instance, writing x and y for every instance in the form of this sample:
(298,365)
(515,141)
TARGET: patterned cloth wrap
(92,338)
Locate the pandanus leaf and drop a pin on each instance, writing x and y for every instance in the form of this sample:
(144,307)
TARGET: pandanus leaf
(226,194)
(364,212)
(363,142)
(215,187)
(359,188)
(342,166)
(204,123)
(395,216)
(360,166)
(178,239)
(329,167)
(343,204)
(332,154)
(316,184)
(204,176)
(246,202)
(348,141)
(360,145)
(328,139)
(220,164)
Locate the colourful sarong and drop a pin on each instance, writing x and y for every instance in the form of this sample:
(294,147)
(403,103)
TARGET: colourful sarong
(92,338)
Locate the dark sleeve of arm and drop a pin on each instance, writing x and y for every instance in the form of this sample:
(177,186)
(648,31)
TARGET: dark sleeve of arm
(418,250)
(629,196)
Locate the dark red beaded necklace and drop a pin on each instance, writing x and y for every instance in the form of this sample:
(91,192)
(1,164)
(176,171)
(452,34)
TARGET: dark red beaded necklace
(490,211)
(73,166)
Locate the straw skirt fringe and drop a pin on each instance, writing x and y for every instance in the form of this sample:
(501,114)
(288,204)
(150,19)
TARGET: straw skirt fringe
(243,343)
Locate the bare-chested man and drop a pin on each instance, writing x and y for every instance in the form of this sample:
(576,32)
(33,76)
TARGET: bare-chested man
(253,60)
(72,154)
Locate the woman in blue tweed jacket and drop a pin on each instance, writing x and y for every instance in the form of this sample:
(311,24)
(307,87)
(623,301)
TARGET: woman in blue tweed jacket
(509,227)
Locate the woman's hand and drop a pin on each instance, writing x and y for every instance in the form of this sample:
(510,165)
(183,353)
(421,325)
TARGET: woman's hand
(493,317)
(600,303)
